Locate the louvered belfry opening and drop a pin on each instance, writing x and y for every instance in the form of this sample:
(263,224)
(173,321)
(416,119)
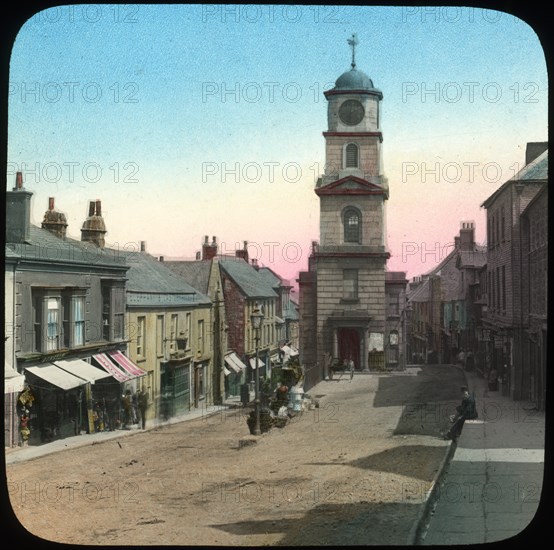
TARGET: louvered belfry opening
(351,155)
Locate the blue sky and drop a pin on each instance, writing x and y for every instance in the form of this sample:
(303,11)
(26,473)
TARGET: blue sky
(206,120)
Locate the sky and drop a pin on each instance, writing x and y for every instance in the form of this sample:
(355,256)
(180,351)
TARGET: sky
(194,120)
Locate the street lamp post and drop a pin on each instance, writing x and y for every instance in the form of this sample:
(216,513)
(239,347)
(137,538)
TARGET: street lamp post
(256,319)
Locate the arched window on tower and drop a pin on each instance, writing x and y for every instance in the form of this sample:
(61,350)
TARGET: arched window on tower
(352,222)
(351,156)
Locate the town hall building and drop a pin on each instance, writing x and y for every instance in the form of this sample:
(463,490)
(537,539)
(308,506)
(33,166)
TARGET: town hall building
(351,307)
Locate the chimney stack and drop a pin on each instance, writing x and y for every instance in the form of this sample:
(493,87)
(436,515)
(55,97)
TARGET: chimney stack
(209,251)
(534,149)
(467,235)
(255,264)
(18,212)
(242,253)
(54,221)
(94,228)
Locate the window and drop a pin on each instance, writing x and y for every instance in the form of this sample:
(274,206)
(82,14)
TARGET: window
(351,156)
(352,222)
(188,328)
(160,335)
(141,336)
(393,338)
(113,311)
(497,288)
(201,336)
(78,311)
(350,284)
(173,331)
(53,324)
(73,310)
(393,306)
(504,288)
(118,293)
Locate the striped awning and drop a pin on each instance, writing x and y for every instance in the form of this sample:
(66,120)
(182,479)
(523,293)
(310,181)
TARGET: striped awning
(126,364)
(107,364)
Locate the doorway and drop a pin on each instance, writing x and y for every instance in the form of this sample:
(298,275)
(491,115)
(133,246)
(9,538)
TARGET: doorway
(349,345)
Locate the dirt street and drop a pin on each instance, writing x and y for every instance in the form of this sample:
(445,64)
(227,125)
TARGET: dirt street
(351,472)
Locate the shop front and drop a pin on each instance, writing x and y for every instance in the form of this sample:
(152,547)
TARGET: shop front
(234,371)
(175,386)
(59,407)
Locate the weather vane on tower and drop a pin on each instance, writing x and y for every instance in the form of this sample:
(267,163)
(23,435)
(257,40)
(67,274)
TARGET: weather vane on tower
(353,42)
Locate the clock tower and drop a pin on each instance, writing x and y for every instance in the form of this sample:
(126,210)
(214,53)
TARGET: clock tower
(342,296)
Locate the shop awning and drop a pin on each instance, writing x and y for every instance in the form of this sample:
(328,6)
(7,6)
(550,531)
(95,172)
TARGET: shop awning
(232,359)
(253,363)
(13,381)
(290,350)
(56,376)
(126,364)
(82,369)
(107,364)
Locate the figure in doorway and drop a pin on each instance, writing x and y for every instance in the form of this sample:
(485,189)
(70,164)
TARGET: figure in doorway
(351,368)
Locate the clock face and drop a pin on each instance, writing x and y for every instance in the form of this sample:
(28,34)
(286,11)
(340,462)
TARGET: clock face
(351,112)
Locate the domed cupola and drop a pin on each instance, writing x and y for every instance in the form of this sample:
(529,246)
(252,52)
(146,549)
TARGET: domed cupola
(354,80)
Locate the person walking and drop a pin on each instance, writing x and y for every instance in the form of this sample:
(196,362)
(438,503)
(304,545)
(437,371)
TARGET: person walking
(142,406)
(351,368)
(467,410)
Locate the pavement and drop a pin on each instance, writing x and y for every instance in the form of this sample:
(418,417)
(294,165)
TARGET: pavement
(491,487)
(21,454)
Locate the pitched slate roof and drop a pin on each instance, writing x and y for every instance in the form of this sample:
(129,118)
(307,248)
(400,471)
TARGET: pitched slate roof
(473,258)
(536,170)
(246,277)
(195,272)
(420,293)
(272,278)
(44,246)
(151,283)
(290,311)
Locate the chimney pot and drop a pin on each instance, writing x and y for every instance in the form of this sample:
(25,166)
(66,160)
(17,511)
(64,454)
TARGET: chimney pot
(206,239)
(51,203)
(91,207)
(198,255)
(143,246)
(214,240)
(245,245)
(19,180)
(98,208)
(161,259)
